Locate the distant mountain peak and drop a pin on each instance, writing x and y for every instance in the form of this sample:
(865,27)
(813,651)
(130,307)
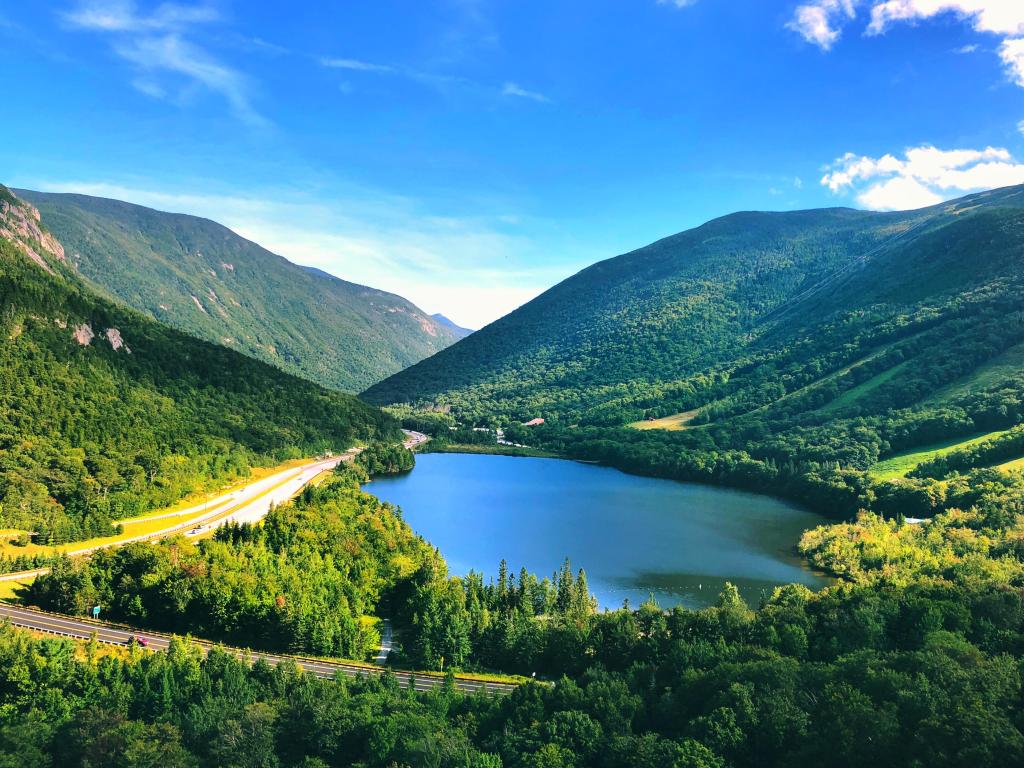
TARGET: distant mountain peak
(459,331)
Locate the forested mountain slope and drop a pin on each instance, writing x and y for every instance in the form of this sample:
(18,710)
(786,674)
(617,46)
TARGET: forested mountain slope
(202,278)
(794,350)
(105,413)
(703,301)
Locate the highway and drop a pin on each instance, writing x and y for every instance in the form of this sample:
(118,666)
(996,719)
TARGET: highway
(246,505)
(249,504)
(84,629)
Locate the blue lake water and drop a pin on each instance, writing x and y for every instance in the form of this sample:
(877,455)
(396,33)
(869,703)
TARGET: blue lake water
(633,535)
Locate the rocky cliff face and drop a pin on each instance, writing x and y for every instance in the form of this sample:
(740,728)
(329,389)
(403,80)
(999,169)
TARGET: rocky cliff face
(21,226)
(19,223)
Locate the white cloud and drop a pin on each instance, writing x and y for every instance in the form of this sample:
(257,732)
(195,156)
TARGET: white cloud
(1002,17)
(924,176)
(156,44)
(473,269)
(1012,54)
(354,64)
(819,22)
(677,3)
(1020,127)
(513,89)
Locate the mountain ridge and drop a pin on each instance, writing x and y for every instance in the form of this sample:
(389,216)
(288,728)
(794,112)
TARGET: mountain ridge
(200,277)
(787,353)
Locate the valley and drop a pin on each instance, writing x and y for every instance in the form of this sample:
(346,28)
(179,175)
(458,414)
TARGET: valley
(850,491)
(475,384)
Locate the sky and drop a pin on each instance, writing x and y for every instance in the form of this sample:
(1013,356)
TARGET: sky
(468,154)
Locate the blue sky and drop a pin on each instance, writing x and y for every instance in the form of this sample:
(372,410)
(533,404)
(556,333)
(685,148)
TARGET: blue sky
(468,154)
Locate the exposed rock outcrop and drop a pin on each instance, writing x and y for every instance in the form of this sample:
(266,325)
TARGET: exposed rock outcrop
(19,222)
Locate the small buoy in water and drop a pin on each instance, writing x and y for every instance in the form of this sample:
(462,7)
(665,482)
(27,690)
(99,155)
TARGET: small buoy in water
(700,586)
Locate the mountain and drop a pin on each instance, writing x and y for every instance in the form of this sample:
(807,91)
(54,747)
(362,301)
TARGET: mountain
(105,413)
(770,350)
(202,278)
(459,331)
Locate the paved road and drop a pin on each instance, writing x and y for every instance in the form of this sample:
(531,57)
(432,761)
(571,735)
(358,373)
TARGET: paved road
(414,439)
(249,504)
(82,629)
(252,502)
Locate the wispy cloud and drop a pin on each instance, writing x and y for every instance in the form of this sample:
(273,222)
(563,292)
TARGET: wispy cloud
(355,64)
(923,176)
(514,89)
(677,3)
(122,16)
(440,82)
(821,22)
(160,45)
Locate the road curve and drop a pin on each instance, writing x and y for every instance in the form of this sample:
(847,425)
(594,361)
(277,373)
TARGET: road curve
(83,629)
(249,504)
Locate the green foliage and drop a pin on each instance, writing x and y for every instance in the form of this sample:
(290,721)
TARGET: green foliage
(503,624)
(913,660)
(380,458)
(995,450)
(90,434)
(927,674)
(205,280)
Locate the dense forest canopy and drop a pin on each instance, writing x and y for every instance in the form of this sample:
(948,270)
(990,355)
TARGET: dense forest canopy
(105,414)
(912,659)
(202,278)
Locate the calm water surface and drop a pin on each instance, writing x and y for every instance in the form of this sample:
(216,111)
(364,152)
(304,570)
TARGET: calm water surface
(633,535)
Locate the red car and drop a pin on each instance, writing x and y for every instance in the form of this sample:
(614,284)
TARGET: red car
(143,642)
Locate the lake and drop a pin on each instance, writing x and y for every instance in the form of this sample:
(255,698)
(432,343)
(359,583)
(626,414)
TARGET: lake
(633,535)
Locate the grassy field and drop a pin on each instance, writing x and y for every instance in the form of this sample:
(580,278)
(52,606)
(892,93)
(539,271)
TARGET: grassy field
(1006,366)
(672,423)
(153,521)
(8,589)
(851,396)
(1015,465)
(899,465)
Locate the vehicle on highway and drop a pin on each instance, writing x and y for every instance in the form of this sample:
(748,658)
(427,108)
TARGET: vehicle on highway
(140,641)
